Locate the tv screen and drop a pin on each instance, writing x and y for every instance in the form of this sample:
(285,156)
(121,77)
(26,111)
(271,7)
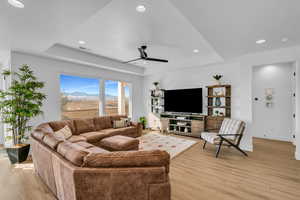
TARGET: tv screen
(184,100)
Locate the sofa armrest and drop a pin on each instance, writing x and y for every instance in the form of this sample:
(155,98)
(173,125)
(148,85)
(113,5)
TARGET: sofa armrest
(139,128)
(155,158)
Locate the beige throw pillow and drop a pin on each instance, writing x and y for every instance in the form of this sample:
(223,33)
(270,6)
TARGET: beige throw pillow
(119,124)
(64,133)
(127,121)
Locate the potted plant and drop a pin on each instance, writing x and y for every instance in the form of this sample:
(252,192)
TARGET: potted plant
(143,121)
(21,102)
(218,77)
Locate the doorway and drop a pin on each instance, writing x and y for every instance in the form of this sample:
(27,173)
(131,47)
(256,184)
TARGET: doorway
(273,89)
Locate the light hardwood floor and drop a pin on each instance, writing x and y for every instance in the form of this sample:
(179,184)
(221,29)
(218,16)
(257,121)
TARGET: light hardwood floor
(270,172)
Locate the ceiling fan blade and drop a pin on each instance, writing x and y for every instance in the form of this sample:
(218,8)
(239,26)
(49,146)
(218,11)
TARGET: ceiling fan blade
(156,60)
(133,60)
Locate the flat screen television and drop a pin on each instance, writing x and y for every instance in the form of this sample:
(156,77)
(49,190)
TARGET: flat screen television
(184,100)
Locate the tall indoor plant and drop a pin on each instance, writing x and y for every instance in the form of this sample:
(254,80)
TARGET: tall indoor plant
(21,102)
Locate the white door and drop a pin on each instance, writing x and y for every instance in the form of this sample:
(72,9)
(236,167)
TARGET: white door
(273,117)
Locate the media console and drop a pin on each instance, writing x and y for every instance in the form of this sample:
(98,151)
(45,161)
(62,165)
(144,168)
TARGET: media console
(183,124)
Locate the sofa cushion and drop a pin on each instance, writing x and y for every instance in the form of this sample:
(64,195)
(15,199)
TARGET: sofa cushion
(57,125)
(39,134)
(128,159)
(111,132)
(64,133)
(128,131)
(119,124)
(84,125)
(85,144)
(45,127)
(95,150)
(94,136)
(52,141)
(72,152)
(76,138)
(102,123)
(116,117)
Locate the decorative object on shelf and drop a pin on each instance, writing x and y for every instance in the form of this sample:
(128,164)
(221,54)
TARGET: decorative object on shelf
(143,121)
(269,97)
(217,113)
(217,78)
(18,105)
(218,102)
(157,90)
(186,130)
(221,114)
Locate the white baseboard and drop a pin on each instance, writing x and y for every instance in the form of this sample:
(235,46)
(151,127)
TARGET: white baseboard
(297,155)
(285,139)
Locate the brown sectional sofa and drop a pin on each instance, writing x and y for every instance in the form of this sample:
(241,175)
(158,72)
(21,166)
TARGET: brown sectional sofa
(78,169)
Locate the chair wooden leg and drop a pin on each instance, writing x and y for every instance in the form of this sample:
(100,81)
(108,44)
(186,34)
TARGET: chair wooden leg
(204,144)
(219,148)
(237,147)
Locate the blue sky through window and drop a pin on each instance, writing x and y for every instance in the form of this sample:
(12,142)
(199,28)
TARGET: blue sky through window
(90,86)
(71,84)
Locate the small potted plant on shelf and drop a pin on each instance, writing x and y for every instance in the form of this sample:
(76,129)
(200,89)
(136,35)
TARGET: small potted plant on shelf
(21,102)
(143,121)
(218,77)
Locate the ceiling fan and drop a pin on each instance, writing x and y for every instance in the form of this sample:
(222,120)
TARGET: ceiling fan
(144,56)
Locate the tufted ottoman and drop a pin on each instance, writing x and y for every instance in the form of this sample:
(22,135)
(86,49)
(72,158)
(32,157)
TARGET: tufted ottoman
(120,143)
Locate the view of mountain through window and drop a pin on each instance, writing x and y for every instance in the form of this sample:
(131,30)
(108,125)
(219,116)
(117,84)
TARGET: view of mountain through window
(79,97)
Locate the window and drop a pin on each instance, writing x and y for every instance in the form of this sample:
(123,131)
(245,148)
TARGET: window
(117,98)
(111,97)
(79,97)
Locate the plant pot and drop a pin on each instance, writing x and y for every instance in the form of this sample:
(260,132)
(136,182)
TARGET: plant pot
(18,153)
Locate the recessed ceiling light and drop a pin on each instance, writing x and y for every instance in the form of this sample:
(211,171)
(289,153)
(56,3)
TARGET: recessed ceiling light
(284,39)
(196,50)
(260,41)
(16,3)
(81,42)
(140,8)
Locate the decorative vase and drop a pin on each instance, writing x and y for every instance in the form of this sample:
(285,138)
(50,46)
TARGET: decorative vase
(157,91)
(218,102)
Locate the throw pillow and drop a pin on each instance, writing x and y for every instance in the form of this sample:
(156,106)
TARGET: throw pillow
(127,121)
(64,133)
(119,124)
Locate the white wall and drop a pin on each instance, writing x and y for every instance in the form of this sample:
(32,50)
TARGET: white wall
(4,64)
(275,121)
(201,77)
(48,70)
(242,80)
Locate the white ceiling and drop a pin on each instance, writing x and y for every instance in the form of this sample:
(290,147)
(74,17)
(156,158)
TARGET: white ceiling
(117,30)
(233,26)
(170,28)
